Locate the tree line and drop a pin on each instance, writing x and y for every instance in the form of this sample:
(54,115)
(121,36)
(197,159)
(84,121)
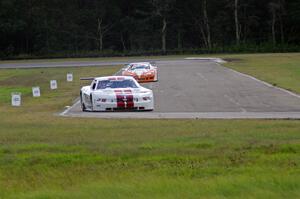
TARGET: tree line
(45,27)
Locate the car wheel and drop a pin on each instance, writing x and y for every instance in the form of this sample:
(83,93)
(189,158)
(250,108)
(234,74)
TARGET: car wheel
(156,77)
(83,108)
(91,98)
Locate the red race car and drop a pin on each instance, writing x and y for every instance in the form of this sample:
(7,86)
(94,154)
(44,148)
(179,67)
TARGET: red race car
(141,71)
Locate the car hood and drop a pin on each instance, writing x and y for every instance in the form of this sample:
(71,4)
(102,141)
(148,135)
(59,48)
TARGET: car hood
(124,91)
(140,71)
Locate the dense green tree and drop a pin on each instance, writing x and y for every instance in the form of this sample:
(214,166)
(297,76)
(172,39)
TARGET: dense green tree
(45,27)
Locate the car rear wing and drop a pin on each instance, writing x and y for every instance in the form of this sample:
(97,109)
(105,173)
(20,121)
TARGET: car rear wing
(87,78)
(153,63)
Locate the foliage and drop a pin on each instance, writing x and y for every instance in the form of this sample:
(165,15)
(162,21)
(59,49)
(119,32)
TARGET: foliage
(43,28)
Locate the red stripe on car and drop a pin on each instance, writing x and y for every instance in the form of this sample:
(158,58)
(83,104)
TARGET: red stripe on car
(129,98)
(130,103)
(124,99)
(119,97)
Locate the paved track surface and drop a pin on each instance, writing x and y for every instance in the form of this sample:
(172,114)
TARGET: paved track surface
(195,89)
(205,89)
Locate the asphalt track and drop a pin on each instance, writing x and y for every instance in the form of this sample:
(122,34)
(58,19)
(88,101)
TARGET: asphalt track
(189,88)
(205,89)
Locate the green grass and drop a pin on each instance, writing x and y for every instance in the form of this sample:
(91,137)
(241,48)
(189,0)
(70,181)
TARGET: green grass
(281,70)
(22,80)
(46,156)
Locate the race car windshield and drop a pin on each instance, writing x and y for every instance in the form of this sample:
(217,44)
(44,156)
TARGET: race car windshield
(127,83)
(140,67)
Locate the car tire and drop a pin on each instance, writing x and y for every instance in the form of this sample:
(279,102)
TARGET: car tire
(156,77)
(83,108)
(91,98)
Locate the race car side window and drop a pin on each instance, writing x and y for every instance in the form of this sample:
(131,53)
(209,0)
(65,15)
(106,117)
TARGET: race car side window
(94,85)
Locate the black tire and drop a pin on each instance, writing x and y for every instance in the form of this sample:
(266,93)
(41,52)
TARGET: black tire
(156,77)
(91,98)
(83,108)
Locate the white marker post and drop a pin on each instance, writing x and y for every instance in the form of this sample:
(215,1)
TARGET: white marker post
(36,91)
(53,84)
(16,99)
(70,77)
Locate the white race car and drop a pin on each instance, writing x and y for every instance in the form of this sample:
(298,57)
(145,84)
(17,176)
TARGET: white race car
(114,93)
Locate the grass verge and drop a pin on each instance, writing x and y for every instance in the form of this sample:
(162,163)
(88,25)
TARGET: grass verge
(279,69)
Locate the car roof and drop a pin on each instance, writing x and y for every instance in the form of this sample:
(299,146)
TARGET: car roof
(140,63)
(114,77)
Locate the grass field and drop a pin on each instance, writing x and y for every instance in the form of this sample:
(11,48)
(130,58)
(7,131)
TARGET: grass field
(281,70)
(43,155)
